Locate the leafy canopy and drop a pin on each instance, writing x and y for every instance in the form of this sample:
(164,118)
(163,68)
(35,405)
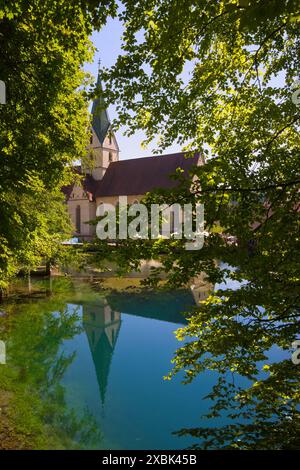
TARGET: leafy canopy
(43,46)
(219,77)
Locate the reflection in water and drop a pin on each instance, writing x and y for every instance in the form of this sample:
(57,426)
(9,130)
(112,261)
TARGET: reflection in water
(200,288)
(102,325)
(36,364)
(89,366)
(101,320)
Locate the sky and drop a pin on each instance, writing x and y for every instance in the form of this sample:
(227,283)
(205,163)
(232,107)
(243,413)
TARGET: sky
(108,44)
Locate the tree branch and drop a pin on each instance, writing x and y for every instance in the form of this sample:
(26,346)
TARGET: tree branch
(282,184)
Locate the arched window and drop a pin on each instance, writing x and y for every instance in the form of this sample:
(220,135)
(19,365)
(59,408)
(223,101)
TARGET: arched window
(110,157)
(78,219)
(172,221)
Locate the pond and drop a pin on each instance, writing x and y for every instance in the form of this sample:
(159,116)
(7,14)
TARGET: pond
(86,368)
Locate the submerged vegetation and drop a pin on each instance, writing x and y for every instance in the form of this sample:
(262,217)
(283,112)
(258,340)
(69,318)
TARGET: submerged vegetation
(34,414)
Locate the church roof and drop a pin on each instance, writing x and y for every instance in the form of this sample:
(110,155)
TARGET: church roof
(163,306)
(140,175)
(136,176)
(100,118)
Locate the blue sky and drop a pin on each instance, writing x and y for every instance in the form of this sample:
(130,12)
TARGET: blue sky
(108,43)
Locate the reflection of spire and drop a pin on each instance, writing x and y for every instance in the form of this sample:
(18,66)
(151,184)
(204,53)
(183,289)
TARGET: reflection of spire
(102,321)
(102,326)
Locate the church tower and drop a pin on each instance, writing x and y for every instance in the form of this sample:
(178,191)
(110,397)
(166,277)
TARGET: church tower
(103,147)
(102,150)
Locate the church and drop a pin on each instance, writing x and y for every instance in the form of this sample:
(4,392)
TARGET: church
(105,177)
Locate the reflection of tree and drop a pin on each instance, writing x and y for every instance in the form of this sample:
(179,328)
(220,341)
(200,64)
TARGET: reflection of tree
(34,334)
(234,338)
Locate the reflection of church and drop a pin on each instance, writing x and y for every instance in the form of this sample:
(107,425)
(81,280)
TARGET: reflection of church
(102,320)
(200,288)
(102,325)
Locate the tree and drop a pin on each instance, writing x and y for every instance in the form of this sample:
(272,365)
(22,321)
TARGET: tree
(219,77)
(43,46)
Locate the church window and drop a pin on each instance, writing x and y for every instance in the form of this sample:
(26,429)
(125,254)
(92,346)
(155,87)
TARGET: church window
(172,221)
(110,156)
(78,219)
(91,139)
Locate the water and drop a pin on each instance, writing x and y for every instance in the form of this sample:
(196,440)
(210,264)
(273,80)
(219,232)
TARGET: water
(94,364)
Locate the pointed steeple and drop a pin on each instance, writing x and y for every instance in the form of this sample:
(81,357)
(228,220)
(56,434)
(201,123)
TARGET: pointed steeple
(100,118)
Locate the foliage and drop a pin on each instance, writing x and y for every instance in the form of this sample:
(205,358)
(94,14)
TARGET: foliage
(43,46)
(219,76)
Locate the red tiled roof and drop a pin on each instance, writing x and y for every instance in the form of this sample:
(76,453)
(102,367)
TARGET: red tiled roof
(136,176)
(140,175)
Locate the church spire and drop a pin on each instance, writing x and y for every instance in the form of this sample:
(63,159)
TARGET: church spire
(100,118)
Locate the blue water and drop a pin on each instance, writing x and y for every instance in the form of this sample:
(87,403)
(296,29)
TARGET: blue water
(104,357)
(118,375)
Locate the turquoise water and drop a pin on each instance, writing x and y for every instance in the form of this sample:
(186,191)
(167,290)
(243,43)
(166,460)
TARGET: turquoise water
(101,359)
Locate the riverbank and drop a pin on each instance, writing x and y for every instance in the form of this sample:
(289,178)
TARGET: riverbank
(22,418)
(20,427)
